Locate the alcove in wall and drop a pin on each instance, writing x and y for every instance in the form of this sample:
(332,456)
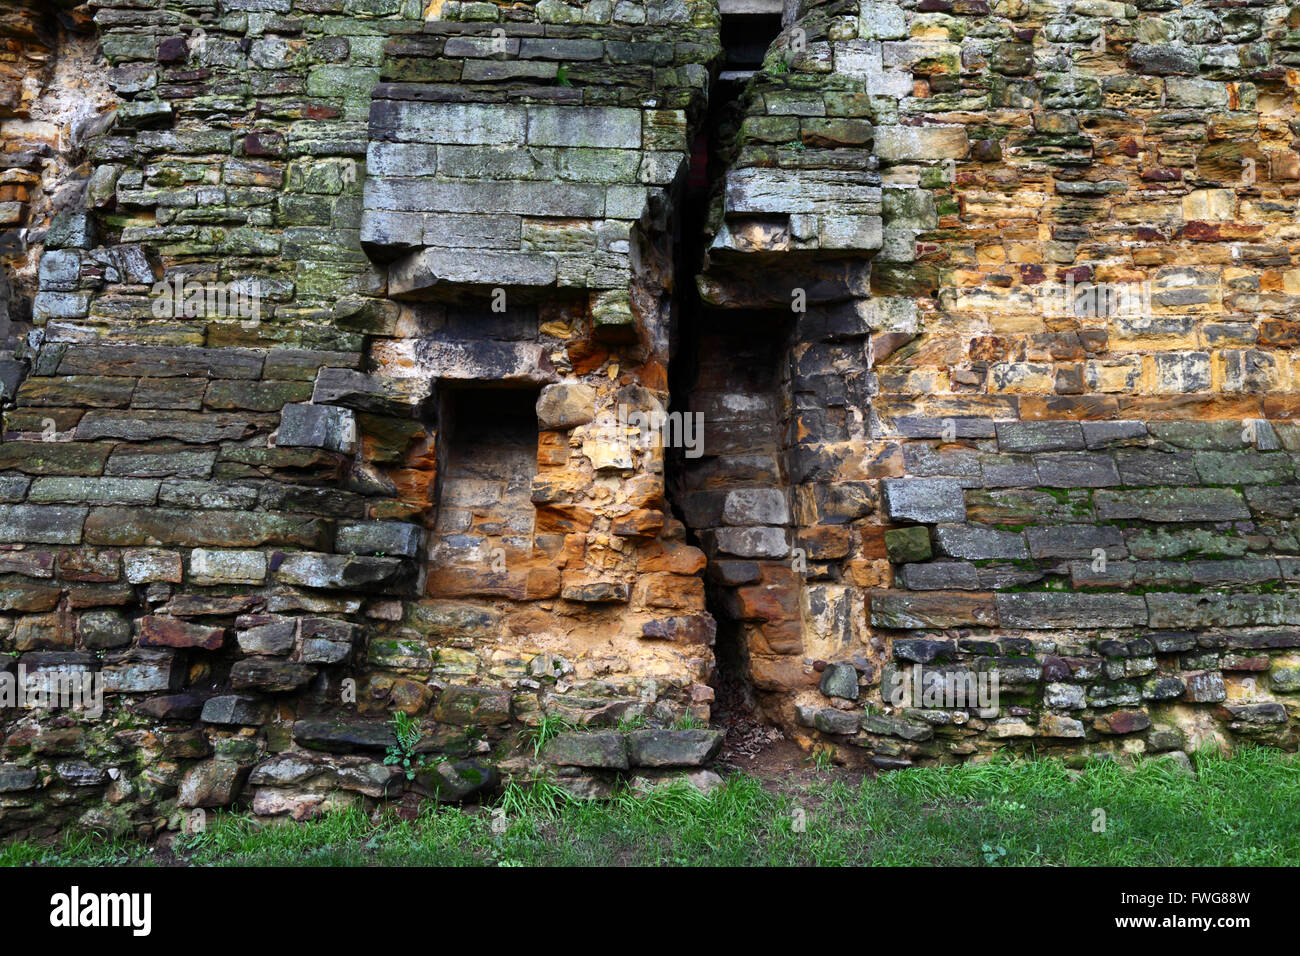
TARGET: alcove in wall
(485,515)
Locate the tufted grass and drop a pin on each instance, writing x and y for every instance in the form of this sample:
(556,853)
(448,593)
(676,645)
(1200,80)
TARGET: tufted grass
(1237,810)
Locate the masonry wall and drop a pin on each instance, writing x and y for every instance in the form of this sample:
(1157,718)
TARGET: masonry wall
(1093,497)
(269,530)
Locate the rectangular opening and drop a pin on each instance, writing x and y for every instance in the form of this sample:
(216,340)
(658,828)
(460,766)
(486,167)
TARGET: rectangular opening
(487,460)
(745,39)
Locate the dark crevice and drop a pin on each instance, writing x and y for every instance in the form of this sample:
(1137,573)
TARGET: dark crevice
(747,349)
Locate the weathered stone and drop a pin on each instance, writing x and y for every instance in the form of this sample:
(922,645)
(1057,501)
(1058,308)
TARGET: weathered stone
(459,781)
(1046,610)
(905,610)
(564,406)
(927,500)
(212,783)
(840,680)
(104,629)
(753,542)
(140,670)
(339,571)
(673,748)
(908,544)
(594,750)
(15,778)
(233,709)
(340,736)
(831,721)
(158,631)
(275,638)
(267,674)
(305,425)
(977,542)
(755,506)
(385,539)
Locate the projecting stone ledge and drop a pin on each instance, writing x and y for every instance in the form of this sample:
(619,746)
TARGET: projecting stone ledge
(465,360)
(429,269)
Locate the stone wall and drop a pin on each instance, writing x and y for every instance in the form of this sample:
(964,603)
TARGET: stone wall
(1063,380)
(324,400)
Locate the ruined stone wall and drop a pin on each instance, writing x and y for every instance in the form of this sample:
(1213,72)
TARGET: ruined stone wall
(322,402)
(1068,390)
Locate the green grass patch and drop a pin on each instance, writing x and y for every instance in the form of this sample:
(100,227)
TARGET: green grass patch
(1238,810)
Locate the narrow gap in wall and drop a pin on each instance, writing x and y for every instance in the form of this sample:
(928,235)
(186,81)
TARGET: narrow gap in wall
(748,29)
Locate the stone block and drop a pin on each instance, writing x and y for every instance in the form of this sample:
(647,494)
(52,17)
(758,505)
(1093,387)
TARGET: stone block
(921,143)
(755,506)
(1044,610)
(907,544)
(566,405)
(978,542)
(928,500)
(304,425)
(673,748)
(382,538)
(602,751)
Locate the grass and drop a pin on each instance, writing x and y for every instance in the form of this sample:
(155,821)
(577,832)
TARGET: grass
(1238,810)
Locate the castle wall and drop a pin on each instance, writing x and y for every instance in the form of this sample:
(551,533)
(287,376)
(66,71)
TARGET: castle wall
(340,333)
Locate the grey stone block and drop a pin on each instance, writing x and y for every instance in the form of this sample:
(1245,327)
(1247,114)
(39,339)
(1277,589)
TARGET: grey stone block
(14,778)
(1109,434)
(1047,610)
(317,650)
(927,500)
(1246,467)
(233,709)
(539,48)
(94,491)
(303,425)
(831,721)
(71,229)
(275,638)
(753,542)
(755,506)
(413,121)
(840,679)
(61,305)
(40,524)
(12,373)
(401,159)
(673,748)
(939,576)
(104,628)
(1172,505)
(140,670)
(1076,470)
(429,268)
(414,194)
(1008,471)
(591,127)
(60,270)
(1075,541)
(391,538)
(1034,437)
(1142,467)
(977,542)
(382,395)
(915,426)
(1200,436)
